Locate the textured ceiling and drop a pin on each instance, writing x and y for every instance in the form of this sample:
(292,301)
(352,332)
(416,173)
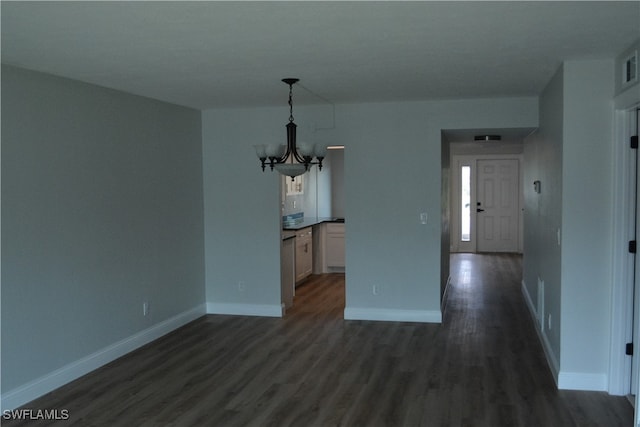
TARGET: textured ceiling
(219,54)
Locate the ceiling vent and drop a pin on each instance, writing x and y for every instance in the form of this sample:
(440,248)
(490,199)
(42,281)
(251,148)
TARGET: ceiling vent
(487,138)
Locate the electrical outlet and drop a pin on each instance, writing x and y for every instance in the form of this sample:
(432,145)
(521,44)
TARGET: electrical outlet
(374,289)
(145,308)
(241,286)
(424,217)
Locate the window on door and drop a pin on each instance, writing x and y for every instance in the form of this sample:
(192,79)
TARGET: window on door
(465,204)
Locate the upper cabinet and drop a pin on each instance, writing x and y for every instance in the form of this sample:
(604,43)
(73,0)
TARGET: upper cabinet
(294,186)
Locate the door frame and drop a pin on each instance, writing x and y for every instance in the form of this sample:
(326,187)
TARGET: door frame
(622,271)
(458,160)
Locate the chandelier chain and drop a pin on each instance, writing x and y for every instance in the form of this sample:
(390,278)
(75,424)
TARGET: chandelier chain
(290,103)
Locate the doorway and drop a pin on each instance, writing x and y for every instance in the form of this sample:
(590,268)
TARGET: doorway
(486,203)
(313,245)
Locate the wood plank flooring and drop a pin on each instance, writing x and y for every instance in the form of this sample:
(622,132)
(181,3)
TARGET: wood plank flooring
(482,367)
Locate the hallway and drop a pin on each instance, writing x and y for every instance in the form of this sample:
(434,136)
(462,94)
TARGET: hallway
(488,320)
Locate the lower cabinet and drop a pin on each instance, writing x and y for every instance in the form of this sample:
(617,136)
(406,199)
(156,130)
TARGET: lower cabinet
(328,249)
(287,267)
(304,254)
(334,248)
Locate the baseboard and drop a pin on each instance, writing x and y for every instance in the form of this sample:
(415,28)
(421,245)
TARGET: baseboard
(582,381)
(265,310)
(53,380)
(389,315)
(552,360)
(530,305)
(445,296)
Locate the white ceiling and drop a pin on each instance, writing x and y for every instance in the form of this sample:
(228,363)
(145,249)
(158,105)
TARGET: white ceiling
(219,54)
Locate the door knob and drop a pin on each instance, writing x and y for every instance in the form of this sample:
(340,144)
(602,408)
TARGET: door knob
(479,210)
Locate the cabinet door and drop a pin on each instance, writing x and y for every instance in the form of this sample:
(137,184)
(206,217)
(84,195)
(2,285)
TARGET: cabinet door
(304,254)
(308,257)
(335,250)
(287,278)
(300,259)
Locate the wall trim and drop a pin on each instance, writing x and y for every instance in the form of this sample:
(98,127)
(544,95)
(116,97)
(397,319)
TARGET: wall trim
(621,261)
(64,375)
(582,381)
(391,315)
(264,310)
(552,360)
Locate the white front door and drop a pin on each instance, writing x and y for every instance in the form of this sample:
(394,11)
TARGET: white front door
(497,205)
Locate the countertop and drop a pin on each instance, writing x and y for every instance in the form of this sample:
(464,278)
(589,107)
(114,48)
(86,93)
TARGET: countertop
(309,222)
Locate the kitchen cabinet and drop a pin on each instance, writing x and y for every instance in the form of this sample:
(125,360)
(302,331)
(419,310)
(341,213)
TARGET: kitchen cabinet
(304,254)
(294,186)
(329,248)
(287,269)
(334,245)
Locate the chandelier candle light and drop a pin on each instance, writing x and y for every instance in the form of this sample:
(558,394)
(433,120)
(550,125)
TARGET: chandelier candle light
(291,159)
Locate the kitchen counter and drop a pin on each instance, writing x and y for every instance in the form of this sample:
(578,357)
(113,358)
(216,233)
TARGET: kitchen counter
(309,222)
(287,234)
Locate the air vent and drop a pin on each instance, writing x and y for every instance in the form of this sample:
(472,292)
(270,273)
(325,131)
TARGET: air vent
(487,138)
(630,69)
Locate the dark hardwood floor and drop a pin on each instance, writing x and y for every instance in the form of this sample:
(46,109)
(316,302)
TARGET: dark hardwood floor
(483,366)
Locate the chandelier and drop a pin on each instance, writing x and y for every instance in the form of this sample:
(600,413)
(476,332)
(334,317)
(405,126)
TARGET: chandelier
(291,159)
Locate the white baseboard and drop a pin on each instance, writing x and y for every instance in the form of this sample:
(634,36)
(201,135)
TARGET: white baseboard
(389,315)
(582,381)
(53,380)
(552,360)
(445,296)
(532,308)
(564,380)
(265,310)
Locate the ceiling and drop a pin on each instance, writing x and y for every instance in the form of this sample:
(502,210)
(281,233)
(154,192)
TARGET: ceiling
(233,54)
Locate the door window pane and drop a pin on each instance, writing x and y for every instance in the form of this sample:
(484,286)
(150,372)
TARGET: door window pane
(465,208)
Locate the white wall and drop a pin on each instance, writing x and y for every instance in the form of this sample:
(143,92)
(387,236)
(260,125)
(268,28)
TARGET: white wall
(392,173)
(337,183)
(445,216)
(543,213)
(241,211)
(101,209)
(571,155)
(586,218)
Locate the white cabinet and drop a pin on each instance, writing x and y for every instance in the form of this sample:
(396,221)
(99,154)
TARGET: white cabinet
(287,273)
(294,186)
(304,254)
(334,245)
